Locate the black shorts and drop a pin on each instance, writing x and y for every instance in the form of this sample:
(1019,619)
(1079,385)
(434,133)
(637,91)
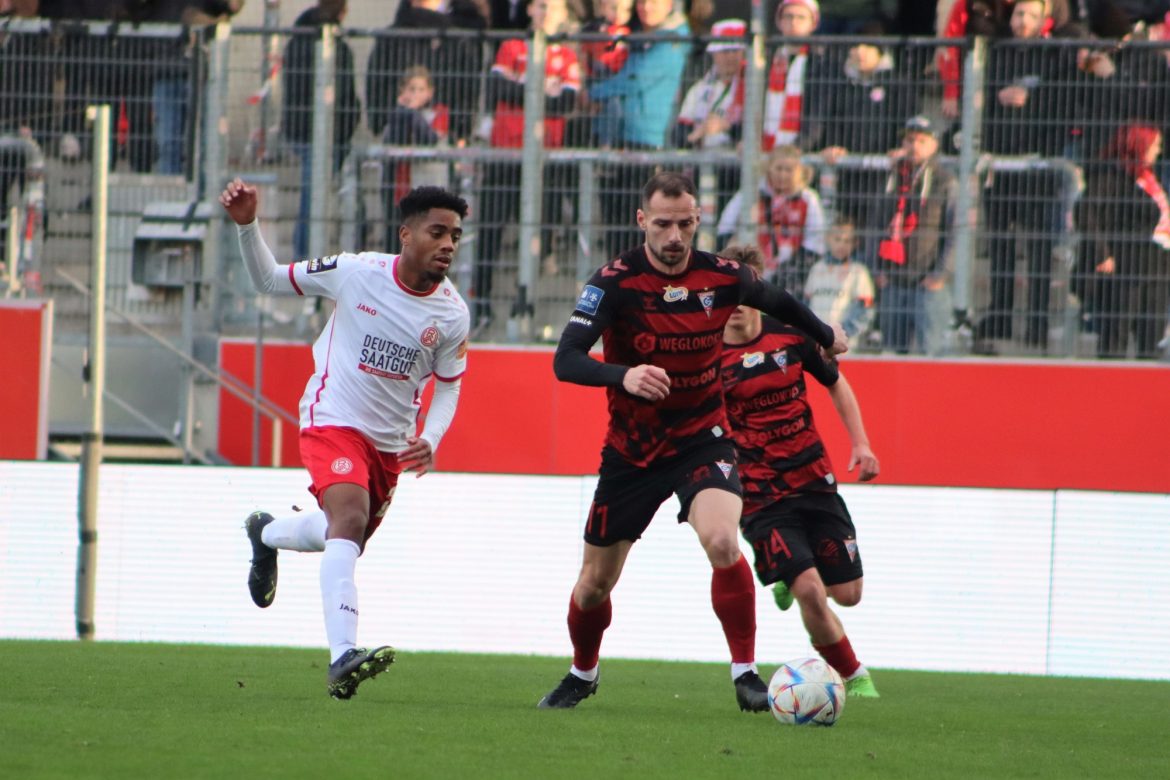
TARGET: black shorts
(800,532)
(628,496)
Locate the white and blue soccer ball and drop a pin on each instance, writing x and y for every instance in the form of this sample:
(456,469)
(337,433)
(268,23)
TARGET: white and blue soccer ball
(806,691)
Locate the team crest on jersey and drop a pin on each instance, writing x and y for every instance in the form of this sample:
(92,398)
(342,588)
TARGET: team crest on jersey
(851,548)
(675,294)
(781,360)
(341,466)
(430,336)
(725,467)
(321,264)
(590,299)
(752,359)
(707,298)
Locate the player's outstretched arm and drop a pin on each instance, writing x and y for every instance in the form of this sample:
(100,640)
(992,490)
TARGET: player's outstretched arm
(240,201)
(779,303)
(861,456)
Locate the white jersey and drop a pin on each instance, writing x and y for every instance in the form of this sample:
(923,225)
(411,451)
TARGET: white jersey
(380,347)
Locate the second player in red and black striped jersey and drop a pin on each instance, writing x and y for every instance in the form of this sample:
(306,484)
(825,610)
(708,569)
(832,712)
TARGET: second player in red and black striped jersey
(780,451)
(674,321)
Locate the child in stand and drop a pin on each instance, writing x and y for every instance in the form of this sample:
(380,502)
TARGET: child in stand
(790,217)
(415,120)
(839,288)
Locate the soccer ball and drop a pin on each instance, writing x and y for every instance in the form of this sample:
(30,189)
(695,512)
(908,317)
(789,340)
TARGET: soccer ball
(806,690)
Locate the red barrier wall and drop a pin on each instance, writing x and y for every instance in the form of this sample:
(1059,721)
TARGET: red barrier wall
(1039,425)
(24,394)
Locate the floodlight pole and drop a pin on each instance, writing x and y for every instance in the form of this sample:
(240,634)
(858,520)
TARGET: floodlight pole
(93,376)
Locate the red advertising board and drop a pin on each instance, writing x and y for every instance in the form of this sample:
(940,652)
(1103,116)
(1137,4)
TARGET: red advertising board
(962,423)
(25,351)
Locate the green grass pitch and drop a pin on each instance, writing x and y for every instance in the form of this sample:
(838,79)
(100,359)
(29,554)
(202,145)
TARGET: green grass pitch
(114,710)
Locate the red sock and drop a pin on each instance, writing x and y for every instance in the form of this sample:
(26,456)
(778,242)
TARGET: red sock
(585,629)
(840,656)
(733,595)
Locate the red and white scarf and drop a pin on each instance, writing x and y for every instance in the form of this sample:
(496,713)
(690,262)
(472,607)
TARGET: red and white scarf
(782,103)
(1149,184)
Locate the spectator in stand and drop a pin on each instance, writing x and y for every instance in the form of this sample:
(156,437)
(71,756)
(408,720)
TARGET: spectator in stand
(105,68)
(988,18)
(416,120)
(794,65)
(646,88)
(297,119)
(173,65)
(454,62)
(500,197)
(839,288)
(602,59)
(863,115)
(914,259)
(711,116)
(1027,110)
(791,234)
(509,15)
(26,76)
(1125,263)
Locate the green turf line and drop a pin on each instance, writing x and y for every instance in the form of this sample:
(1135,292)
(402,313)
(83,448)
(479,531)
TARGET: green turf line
(115,710)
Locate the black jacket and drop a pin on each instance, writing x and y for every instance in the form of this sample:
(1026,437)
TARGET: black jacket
(299,55)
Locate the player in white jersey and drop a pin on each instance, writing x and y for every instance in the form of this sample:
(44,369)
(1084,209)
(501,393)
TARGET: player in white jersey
(397,322)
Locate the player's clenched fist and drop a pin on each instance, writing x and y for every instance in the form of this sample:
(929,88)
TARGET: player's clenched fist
(646,381)
(239,200)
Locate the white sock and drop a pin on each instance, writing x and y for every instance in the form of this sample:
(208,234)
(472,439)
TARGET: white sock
(738,669)
(339,595)
(303,532)
(860,672)
(588,675)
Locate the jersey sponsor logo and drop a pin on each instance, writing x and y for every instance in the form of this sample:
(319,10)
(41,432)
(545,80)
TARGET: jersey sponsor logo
(645,343)
(752,359)
(341,466)
(673,294)
(699,343)
(430,336)
(691,382)
(725,467)
(370,310)
(386,358)
(575,320)
(590,299)
(707,298)
(321,264)
(781,359)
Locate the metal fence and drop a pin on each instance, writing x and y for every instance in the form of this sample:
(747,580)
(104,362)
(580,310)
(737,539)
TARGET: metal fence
(1004,245)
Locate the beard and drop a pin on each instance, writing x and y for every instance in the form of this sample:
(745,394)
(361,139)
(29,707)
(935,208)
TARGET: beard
(669,260)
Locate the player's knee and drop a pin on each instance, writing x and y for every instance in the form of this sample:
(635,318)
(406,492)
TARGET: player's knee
(722,550)
(348,524)
(590,592)
(808,589)
(847,594)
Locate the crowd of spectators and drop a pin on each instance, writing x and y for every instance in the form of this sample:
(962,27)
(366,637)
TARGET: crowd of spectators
(858,136)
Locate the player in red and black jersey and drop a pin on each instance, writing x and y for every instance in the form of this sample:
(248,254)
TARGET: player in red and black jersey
(803,537)
(660,311)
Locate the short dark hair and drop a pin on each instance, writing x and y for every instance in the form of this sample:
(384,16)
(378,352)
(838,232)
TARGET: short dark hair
(844,220)
(670,183)
(747,254)
(329,11)
(420,200)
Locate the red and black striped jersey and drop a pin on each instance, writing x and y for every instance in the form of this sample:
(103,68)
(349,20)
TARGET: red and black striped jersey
(674,322)
(780,451)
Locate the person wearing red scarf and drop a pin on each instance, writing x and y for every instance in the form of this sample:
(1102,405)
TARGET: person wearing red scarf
(1125,262)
